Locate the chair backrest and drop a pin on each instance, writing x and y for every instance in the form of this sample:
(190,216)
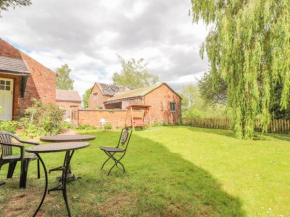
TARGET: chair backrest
(6,137)
(125,137)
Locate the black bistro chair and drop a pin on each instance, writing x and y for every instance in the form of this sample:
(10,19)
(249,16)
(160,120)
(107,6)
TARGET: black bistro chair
(110,151)
(8,157)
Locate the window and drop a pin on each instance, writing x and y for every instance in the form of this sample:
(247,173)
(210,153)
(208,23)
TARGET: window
(95,96)
(5,85)
(172,106)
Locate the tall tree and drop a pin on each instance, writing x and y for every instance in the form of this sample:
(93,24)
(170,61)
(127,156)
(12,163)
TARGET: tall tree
(248,47)
(63,81)
(86,97)
(190,96)
(134,74)
(218,95)
(193,106)
(5,4)
(213,94)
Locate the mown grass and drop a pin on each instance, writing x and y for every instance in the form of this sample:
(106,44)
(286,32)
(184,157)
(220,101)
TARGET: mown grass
(171,171)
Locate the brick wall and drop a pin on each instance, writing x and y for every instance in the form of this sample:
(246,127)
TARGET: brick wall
(93,117)
(40,85)
(67,106)
(160,99)
(99,103)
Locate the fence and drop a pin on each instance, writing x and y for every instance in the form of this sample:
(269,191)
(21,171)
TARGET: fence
(276,126)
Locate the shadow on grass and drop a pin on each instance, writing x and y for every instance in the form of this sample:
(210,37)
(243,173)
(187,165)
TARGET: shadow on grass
(230,133)
(221,132)
(157,183)
(284,137)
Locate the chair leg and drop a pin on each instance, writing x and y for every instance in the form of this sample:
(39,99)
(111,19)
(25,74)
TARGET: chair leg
(107,159)
(38,169)
(23,175)
(11,169)
(116,162)
(105,163)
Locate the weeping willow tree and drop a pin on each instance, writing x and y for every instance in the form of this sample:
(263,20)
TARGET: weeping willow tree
(249,47)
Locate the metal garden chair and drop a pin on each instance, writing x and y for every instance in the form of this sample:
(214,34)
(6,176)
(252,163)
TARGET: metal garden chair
(8,157)
(110,151)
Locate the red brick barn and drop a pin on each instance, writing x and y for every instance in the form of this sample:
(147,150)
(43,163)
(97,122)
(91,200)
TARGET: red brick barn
(101,92)
(165,103)
(21,79)
(66,100)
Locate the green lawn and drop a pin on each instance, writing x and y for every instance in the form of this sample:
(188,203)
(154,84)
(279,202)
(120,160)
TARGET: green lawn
(171,171)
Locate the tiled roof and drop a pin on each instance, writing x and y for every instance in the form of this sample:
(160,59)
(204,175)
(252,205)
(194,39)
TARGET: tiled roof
(13,65)
(134,93)
(111,90)
(68,95)
(10,59)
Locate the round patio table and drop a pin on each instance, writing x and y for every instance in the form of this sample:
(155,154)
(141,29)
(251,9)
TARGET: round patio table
(66,138)
(69,148)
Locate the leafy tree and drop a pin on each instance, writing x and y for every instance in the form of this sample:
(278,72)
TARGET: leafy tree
(5,4)
(134,74)
(213,94)
(86,97)
(248,47)
(218,95)
(190,96)
(193,106)
(63,81)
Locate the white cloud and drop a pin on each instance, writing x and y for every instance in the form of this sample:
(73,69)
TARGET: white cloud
(87,35)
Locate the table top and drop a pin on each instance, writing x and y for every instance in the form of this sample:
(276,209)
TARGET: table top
(57,147)
(67,138)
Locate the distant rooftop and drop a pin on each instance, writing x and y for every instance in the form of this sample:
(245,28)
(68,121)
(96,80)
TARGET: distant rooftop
(110,89)
(68,95)
(134,93)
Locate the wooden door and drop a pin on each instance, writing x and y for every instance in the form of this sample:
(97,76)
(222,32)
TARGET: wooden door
(6,98)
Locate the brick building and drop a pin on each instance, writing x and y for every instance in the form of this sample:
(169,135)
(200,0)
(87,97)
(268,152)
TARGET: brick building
(165,103)
(101,92)
(21,79)
(66,100)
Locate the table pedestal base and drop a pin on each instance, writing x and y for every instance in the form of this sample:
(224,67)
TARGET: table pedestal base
(70,175)
(62,186)
(2,183)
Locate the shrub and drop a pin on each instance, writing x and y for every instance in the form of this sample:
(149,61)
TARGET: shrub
(67,125)
(86,127)
(108,126)
(41,119)
(9,126)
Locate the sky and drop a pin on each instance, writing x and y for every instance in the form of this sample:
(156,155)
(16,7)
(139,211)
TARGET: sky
(88,35)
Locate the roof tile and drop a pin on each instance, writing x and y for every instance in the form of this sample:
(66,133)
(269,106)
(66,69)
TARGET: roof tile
(13,65)
(134,93)
(110,89)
